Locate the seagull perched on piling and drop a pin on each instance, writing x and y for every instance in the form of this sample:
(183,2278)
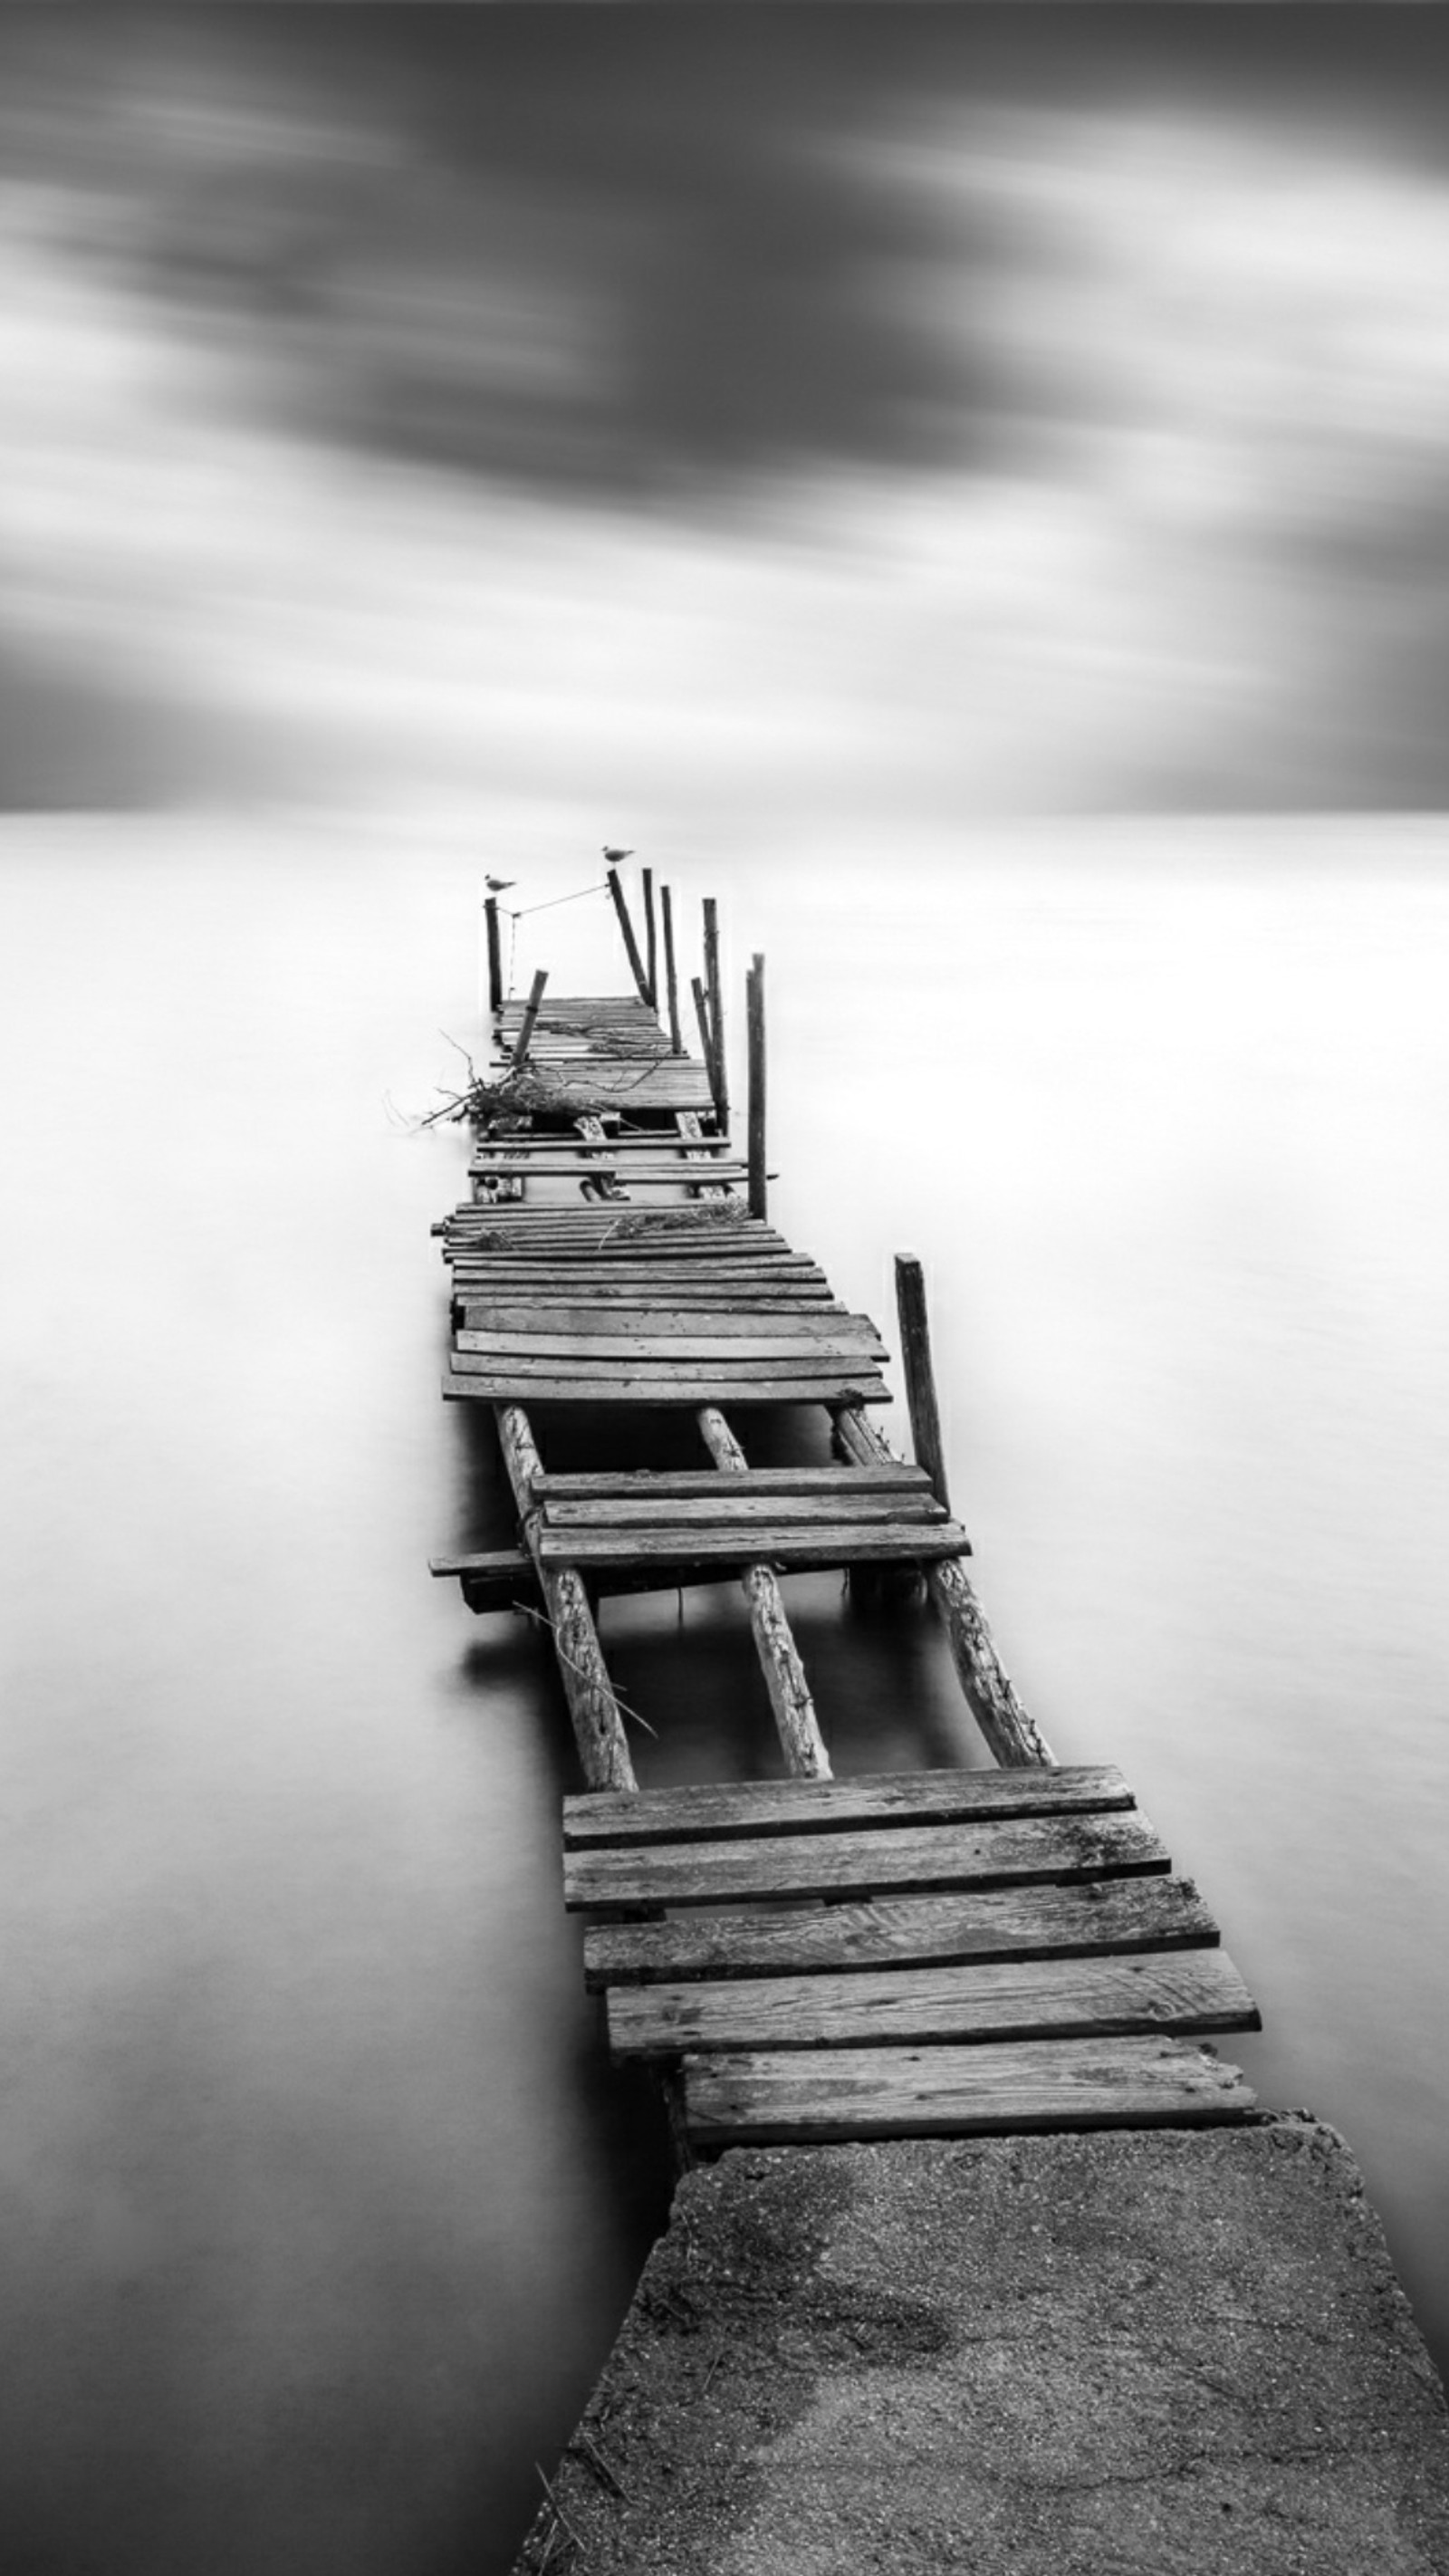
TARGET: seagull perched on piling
(499,885)
(614,856)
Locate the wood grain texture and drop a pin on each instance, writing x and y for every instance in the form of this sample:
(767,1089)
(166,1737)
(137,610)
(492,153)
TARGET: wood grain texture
(675,1324)
(766,2097)
(742,1512)
(519,1387)
(813,1544)
(790,1700)
(1120,1914)
(597,1723)
(709,1811)
(862,1864)
(1100,1996)
(645,1342)
(758,1480)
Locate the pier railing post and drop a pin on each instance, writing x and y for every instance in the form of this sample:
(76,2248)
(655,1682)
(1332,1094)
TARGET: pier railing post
(651,949)
(631,944)
(495,955)
(755,1012)
(706,1042)
(716,1008)
(795,1718)
(671,980)
(530,1019)
(920,1377)
(1012,1735)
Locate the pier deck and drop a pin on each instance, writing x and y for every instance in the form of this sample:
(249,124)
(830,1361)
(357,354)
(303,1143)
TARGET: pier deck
(952,1952)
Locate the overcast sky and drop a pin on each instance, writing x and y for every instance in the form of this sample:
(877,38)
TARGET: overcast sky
(840,407)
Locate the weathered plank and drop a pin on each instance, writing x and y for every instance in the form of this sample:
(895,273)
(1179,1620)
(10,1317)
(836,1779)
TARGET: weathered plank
(743,1512)
(779,1543)
(748,1372)
(712,1811)
(642,1176)
(514,1388)
(781,1307)
(768,2097)
(761,1480)
(644,1343)
(791,1702)
(675,1324)
(859,1864)
(1118,1914)
(598,1726)
(1101,1996)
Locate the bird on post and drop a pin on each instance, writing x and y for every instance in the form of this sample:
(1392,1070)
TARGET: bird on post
(499,885)
(612,857)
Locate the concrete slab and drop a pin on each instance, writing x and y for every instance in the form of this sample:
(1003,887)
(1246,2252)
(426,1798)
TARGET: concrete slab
(1170,2351)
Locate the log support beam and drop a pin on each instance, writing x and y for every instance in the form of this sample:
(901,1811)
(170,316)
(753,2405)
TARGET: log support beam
(799,1728)
(597,1723)
(1012,1735)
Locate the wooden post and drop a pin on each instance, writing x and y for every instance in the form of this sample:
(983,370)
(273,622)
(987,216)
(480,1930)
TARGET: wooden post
(651,952)
(636,963)
(530,1018)
(920,1377)
(1012,1735)
(598,1726)
(706,1039)
(799,1730)
(495,956)
(755,1012)
(671,980)
(716,1007)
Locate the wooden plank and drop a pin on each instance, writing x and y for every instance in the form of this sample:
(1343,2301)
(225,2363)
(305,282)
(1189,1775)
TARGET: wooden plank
(762,1480)
(712,1811)
(926,1857)
(802,1297)
(675,1324)
(1102,1996)
(741,1513)
(640,1176)
(1119,1914)
(507,1388)
(747,1373)
(781,1543)
(768,2097)
(643,1343)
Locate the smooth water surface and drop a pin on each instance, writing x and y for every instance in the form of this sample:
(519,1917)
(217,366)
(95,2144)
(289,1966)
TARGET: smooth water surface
(320,2207)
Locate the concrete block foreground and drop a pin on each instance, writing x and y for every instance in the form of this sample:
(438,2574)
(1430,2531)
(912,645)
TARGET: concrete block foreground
(1163,2351)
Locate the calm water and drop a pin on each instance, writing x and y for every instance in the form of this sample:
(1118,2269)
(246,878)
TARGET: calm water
(320,2210)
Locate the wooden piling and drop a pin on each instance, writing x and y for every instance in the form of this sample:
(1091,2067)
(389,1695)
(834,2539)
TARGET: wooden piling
(716,1007)
(671,980)
(598,1726)
(651,949)
(799,1728)
(530,1018)
(631,945)
(1012,1735)
(495,955)
(706,1041)
(755,1012)
(920,1376)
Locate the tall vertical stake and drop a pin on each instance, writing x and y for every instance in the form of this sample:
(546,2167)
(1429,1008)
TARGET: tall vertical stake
(651,952)
(706,1036)
(530,1016)
(495,955)
(755,1012)
(920,1380)
(636,962)
(671,980)
(716,1008)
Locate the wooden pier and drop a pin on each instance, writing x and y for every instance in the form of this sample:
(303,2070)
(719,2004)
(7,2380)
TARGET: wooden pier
(804,1959)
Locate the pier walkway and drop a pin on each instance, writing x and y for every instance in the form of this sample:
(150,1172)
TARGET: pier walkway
(800,1960)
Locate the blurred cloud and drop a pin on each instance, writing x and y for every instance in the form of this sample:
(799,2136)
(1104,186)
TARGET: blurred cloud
(436,403)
